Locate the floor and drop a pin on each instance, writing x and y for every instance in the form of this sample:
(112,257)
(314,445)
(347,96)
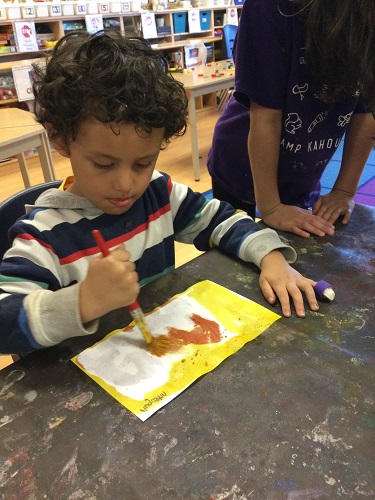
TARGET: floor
(366,189)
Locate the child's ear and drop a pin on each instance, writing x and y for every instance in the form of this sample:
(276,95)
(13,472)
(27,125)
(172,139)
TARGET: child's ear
(60,145)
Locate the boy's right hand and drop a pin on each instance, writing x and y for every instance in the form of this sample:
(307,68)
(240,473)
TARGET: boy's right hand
(299,221)
(111,283)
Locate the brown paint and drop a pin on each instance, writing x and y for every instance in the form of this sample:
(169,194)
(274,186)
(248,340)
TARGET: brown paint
(205,331)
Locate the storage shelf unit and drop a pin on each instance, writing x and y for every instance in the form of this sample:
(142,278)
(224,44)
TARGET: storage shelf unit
(172,38)
(129,23)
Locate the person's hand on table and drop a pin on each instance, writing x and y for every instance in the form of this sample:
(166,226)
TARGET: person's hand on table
(297,220)
(333,205)
(278,280)
(111,283)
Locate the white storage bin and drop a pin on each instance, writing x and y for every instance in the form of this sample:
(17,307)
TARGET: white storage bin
(80,9)
(13,12)
(41,10)
(125,6)
(67,9)
(55,9)
(135,6)
(115,7)
(104,8)
(92,7)
(28,11)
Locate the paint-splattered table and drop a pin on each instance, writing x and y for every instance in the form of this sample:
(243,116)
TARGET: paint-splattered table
(289,416)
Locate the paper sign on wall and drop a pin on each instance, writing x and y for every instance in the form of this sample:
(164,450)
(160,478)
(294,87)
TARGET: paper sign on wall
(211,322)
(232,16)
(194,21)
(148,25)
(22,77)
(25,36)
(195,55)
(94,23)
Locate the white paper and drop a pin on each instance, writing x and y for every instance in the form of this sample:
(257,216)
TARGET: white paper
(25,36)
(194,21)
(195,55)
(22,76)
(211,322)
(122,362)
(94,23)
(149,25)
(232,16)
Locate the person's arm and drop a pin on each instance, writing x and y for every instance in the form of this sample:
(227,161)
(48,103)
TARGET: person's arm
(214,223)
(359,140)
(263,149)
(37,310)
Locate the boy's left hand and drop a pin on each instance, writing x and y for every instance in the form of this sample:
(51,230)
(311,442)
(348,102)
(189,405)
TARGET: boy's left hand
(278,280)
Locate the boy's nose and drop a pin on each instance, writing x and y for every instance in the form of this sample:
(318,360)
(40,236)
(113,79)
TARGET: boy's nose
(123,182)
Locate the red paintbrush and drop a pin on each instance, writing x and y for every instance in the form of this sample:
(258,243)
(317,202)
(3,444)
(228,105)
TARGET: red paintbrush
(156,345)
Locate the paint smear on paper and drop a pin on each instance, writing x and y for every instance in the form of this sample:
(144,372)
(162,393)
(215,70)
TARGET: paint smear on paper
(212,323)
(205,331)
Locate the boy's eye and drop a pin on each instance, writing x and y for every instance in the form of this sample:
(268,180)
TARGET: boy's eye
(103,167)
(144,165)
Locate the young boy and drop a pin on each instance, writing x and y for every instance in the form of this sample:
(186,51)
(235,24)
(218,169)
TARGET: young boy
(109,105)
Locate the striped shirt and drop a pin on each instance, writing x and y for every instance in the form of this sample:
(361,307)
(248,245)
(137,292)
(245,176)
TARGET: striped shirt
(52,246)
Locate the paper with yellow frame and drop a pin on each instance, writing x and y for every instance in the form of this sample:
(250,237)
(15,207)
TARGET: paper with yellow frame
(214,323)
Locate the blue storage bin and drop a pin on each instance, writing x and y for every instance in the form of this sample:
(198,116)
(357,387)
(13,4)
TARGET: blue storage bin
(180,22)
(205,19)
(239,2)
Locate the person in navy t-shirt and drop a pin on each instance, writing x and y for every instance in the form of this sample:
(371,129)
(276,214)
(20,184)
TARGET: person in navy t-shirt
(304,78)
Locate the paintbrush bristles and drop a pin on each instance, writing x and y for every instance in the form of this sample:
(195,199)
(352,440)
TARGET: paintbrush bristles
(160,346)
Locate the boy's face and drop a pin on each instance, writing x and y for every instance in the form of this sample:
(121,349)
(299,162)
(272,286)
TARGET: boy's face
(112,167)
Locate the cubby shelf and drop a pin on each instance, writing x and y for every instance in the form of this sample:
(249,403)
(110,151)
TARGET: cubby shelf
(171,40)
(129,23)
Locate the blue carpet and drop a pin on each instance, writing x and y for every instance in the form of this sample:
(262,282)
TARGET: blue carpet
(366,189)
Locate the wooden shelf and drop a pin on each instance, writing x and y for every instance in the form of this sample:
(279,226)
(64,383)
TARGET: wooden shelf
(129,23)
(174,40)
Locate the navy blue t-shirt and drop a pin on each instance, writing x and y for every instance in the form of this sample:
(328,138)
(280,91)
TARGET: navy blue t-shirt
(271,70)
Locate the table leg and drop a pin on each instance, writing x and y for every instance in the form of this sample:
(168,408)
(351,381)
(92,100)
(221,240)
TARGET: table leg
(46,160)
(23,168)
(194,135)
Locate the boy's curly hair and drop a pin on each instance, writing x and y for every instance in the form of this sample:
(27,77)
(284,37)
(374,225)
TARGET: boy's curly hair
(112,79)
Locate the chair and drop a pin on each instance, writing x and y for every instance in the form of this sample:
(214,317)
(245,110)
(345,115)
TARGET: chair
(13,207)
(229,34)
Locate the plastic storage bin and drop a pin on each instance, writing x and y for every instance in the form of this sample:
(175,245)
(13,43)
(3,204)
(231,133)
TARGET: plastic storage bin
(180,22)
(28,11)
(205,19)
(219,17)
(210,53)
(239,2)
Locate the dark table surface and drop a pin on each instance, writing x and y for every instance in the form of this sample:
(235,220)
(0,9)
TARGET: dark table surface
(289,416)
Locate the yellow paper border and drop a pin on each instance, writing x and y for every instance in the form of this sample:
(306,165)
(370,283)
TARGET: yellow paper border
(236,313)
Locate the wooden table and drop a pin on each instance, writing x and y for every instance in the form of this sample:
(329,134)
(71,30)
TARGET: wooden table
(195,86)
(289,416)
(20,132)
